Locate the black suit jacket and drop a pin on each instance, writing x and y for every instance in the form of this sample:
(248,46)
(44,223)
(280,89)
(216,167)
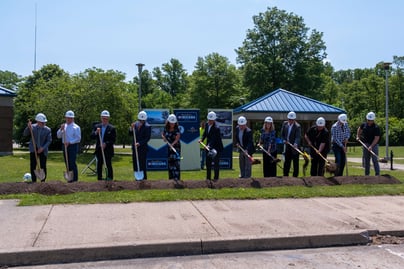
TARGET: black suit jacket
(109,138)
(214,138)
(143,136)
(247,142)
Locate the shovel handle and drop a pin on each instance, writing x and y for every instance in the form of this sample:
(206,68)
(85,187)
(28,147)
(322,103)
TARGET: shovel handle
(245,153)
(319,153)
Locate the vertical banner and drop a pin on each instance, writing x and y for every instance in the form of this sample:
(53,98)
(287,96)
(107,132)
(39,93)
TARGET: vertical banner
(157,150)
(188,121)
(225,122)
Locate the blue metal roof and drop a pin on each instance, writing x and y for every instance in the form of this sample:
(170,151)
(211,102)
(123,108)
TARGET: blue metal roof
(281,100)
(6,92)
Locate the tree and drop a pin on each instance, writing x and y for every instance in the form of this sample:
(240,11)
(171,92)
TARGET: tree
(39,92)
(215,83)
(280,53)
(172,79)
(87,94)
(9,80)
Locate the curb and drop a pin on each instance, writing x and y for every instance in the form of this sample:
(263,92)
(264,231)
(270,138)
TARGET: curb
(87,254)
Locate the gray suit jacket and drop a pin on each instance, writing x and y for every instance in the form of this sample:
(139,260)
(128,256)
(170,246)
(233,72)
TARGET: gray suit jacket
(43,137)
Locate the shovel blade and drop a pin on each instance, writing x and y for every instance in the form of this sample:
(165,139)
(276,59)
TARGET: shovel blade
(40,173)
(68,175)
(139,175)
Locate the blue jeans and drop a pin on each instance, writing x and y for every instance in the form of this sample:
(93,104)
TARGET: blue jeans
(203,158)
(340,159)
(366,158)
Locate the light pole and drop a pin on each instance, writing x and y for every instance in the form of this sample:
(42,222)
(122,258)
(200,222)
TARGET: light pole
(386,67)
(139,69)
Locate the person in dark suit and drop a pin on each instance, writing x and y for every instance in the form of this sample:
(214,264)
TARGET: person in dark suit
(107,141)
(244,139)
(291,132)
(143,133)
(214,142)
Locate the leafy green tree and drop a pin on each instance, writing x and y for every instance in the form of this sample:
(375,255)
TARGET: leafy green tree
(396,88)
(279,52)
(86,93)
(172,79)
(96,90)
(9,80)
(39,92)
(214,82)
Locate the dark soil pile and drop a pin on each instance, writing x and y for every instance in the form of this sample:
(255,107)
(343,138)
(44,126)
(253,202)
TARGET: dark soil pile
(60,187)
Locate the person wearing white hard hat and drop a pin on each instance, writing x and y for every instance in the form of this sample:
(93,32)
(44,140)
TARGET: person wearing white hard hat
(369,132)
(340,133)
(318,137)
(244,139)
(214,142)
(108,138)
(70,133)
(41,138)
(142,131)
(268,142)
(171,135)
(291,135)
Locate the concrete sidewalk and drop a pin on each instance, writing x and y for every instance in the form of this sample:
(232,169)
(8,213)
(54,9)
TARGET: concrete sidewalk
(75,233)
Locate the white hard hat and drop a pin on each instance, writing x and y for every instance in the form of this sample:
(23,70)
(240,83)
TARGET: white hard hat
(27,177)
(242,120)
(105,113)
(41,117)
(343,118)
(268,119)
(320,122)
(142,115)
(69,114)
(291,115)
(371,116)
(211,115)
(172,118)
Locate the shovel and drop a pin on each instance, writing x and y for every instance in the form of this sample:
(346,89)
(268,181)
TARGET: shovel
(39,172)
(212,152)
(177,155)
(139,175)
(250,158)
(382,160)
(68,175)
(103,155)
(306,156)
(329,166)
(276,160)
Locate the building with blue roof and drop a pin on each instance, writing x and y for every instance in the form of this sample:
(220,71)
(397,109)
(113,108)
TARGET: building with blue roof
(6,120)
(280,102)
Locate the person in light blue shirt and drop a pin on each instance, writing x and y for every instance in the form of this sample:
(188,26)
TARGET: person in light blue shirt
(70,133)
(340,134)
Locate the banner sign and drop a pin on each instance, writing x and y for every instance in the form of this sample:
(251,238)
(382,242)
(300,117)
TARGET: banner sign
(157,149)
(188,120)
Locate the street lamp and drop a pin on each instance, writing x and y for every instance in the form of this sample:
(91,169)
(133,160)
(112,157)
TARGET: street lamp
(386,67)
(139,68)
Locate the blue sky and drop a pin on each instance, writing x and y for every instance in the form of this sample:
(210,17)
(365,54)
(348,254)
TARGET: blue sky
(81,34)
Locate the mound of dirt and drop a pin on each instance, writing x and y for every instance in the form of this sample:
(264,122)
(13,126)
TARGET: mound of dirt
(61,187)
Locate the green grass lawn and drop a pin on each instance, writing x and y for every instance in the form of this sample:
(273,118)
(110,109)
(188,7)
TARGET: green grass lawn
(13,168)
